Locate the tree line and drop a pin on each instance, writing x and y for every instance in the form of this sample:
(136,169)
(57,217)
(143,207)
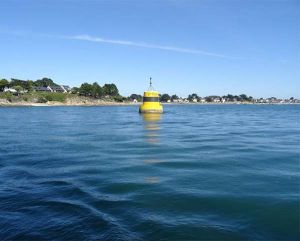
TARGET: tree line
(192,97)
(26,84)
(90,90)
(94,90)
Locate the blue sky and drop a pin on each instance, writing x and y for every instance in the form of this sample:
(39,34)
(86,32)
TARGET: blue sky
(203,46)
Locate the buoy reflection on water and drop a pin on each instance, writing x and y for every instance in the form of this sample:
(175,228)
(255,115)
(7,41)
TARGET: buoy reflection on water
(152,128)
(151,123)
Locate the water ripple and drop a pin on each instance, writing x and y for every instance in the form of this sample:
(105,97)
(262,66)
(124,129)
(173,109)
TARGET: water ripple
(198,172)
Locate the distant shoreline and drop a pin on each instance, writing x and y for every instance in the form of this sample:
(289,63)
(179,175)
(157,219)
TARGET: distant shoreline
(5,103)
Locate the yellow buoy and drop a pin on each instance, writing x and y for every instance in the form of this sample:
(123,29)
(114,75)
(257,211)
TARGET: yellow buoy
(151,103)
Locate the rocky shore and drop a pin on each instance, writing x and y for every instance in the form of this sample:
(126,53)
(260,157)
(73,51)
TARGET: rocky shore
(80,101)
(98,102)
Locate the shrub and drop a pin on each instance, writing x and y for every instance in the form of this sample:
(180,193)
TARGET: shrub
(60,97)
(41,99)
(48,97)
(119,98)
(8,96)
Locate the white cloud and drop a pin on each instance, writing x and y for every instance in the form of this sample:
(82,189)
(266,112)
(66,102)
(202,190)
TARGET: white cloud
(144,45)
(86,37)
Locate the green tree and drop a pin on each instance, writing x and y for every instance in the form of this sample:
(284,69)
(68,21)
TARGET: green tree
(3,83)
(44,82)
(208,99)
(229,97)
(244,97)
(238,98)
(119,98)
(174,97)
(110,89)
(30,84)
(75,90)
(86,89)
(165,98)
(97,91)
(18,88)
(25,84)
(132,97)
(192,97)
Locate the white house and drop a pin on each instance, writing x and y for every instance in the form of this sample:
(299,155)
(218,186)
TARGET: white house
(66,88)
(11,90)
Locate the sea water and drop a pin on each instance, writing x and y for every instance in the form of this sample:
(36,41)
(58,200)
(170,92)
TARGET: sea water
(197,172)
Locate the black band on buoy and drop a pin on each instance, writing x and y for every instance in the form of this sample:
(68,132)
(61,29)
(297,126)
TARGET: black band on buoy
(150,99)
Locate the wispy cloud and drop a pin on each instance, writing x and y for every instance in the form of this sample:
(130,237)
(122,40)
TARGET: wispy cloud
(145,45)
(89,38)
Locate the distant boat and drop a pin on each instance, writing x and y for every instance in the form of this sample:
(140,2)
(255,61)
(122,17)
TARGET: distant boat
(151,103)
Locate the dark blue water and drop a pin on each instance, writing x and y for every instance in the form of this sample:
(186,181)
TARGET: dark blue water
(198,172)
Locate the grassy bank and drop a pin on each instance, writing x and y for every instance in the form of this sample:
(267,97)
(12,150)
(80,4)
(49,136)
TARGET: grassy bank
(35,97)
(52,98)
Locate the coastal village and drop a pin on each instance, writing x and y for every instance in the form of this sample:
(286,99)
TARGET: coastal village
(47,90)
(235,99)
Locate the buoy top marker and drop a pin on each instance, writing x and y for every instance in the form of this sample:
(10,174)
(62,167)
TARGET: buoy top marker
(150,86)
